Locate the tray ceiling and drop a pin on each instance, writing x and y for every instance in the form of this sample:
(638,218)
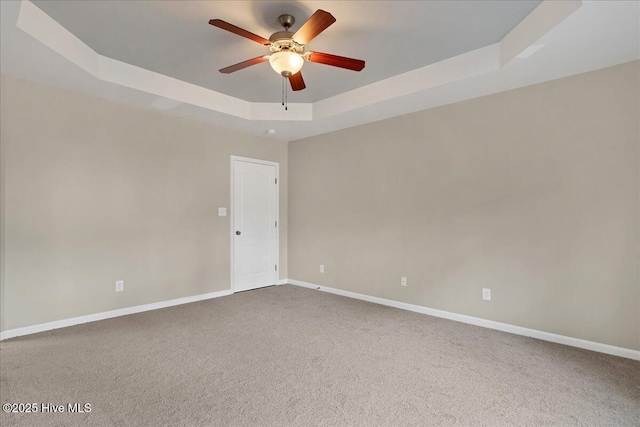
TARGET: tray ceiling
(555,40)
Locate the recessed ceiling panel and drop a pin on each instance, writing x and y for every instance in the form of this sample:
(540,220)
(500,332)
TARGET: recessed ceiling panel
(175,39)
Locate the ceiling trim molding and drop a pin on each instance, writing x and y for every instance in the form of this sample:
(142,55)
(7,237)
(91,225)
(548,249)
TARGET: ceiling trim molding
(450,70)
(49,32)
(539,22)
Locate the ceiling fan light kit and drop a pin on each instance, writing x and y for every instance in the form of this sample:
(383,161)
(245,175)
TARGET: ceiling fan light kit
(288,50)
(286,62)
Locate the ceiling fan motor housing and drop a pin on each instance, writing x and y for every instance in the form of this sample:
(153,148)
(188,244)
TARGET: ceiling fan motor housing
(282,41)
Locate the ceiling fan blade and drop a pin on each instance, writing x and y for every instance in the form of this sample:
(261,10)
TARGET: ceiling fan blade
(318,22)
(239,31)
(337,61)
(297,83)
(244,64)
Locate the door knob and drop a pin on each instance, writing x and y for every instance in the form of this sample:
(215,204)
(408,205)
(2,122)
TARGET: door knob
(238,233)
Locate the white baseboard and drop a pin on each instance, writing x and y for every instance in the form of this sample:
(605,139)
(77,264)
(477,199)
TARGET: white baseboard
(107,315)
(533,333)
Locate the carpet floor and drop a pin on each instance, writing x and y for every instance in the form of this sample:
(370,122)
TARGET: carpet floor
(286,355)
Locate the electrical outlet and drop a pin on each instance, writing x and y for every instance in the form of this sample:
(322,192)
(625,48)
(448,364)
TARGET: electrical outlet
(403,281)
(486,294)
(321,268)
(120,286)
(222,211)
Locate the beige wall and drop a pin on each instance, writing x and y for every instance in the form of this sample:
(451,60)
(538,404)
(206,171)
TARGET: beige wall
(533,193)
(95,192)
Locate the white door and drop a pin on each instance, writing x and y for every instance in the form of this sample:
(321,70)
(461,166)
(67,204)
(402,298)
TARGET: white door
(254,226)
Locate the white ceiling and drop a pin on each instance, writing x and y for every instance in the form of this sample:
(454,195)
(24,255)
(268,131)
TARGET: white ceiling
(174,38)
(577,37)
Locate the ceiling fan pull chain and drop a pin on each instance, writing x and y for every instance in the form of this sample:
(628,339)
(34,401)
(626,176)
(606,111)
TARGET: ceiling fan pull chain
(286,95)
(283,90)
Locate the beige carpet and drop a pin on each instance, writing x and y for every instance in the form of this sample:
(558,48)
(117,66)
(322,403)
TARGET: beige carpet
(292,356)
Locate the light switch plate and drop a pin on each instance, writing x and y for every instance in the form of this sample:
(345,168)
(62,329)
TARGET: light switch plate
(222,211)
(120,286)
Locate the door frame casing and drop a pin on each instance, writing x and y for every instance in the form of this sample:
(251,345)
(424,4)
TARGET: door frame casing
(232,214)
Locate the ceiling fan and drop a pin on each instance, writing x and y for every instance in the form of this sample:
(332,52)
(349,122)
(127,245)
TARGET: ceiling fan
(288,49)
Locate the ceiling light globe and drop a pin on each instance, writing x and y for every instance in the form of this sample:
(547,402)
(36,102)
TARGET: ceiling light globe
(286,63)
